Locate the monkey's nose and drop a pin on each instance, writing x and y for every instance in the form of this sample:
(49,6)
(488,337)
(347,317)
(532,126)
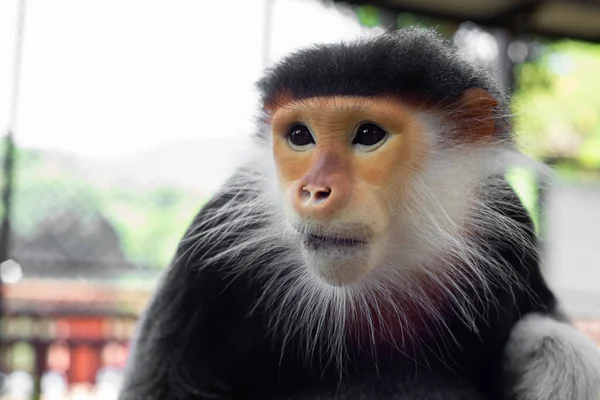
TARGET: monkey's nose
(315,194)
(319,201)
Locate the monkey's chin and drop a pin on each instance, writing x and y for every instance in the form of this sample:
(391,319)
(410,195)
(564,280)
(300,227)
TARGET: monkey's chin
(339,264)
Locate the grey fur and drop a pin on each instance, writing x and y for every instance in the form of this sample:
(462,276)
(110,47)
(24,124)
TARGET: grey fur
(546,359)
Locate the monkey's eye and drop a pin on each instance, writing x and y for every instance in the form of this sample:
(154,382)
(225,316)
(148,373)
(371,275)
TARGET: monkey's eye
(299,136)
(369,136)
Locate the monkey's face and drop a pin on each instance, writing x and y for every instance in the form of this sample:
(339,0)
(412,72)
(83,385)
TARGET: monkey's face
(343,165)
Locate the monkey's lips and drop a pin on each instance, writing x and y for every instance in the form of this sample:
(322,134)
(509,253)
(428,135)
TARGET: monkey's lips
(321,242)
(339,256)
(337,260)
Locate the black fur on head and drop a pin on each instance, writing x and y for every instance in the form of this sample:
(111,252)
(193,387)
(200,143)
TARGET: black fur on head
(411,62)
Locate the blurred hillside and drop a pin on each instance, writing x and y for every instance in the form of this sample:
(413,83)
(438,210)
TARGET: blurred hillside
(148,198)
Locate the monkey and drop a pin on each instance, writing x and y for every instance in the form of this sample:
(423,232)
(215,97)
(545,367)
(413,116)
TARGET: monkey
(368,246)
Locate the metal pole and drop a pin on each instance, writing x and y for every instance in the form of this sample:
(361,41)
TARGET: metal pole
(506,70)
(8,172)
(9,152)
(267,28)
(8,165)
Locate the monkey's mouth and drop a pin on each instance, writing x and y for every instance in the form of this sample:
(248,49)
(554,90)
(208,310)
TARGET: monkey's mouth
(339,257)
(318,242)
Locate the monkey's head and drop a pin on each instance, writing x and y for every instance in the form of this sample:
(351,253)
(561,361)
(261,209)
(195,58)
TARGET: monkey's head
(379,147)
(342,163)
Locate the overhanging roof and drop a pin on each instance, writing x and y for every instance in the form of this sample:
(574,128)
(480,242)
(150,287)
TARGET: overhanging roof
(576,19)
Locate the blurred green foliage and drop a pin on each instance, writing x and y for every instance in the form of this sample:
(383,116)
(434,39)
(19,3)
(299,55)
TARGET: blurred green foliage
(369,16)
(444,27)
(557,104)
(149,220)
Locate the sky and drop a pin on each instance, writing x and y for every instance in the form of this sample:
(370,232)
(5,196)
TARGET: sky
(105,78)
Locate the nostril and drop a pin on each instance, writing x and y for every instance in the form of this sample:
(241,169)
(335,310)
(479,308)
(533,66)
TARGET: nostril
(321,195)
(315,194)
(305,193)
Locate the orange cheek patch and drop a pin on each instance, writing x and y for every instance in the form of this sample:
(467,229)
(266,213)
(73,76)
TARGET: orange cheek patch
(397,159)
(379,169)
(292,165)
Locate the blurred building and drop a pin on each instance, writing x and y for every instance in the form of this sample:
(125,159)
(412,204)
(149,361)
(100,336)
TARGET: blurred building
(67,318)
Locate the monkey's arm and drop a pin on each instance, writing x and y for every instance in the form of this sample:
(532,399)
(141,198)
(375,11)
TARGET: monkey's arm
(547,359)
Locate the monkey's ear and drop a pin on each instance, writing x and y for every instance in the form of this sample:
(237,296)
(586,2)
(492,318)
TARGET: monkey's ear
(478,109)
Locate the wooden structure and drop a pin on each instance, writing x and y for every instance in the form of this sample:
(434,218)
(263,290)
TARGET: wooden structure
(573,19)
(72,327)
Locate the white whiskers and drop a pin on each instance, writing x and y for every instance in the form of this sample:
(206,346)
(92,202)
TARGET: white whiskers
(440,234)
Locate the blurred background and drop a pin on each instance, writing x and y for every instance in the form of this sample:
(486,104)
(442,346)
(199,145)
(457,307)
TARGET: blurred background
(120,118)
